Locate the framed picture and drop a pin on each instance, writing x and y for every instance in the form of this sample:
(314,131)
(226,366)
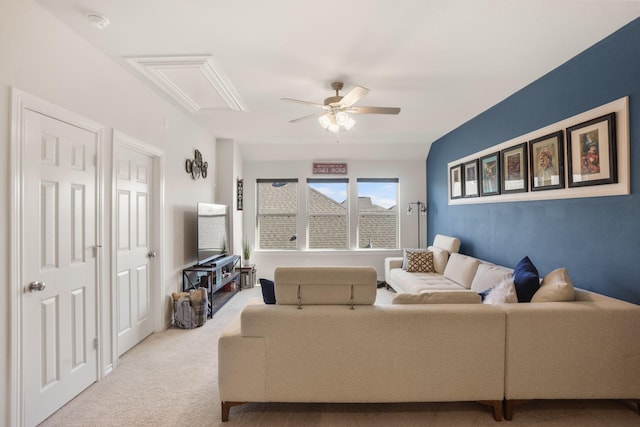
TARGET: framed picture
(471,187)
(490,174)
(591,152)
(514,169)
(546,156)
(455,181)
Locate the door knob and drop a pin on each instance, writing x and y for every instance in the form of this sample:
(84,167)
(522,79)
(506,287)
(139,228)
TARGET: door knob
(152,254)
(36,286)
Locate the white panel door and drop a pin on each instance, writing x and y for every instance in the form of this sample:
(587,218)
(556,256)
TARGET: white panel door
(134,320)
(59,355)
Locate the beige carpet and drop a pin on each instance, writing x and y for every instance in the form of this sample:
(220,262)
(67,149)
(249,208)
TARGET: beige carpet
(170,379)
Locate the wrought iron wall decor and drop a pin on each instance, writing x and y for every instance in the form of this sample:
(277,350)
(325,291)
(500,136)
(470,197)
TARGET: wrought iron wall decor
(196,167)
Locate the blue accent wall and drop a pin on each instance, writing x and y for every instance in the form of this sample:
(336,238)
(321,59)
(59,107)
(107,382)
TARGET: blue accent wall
(597,239)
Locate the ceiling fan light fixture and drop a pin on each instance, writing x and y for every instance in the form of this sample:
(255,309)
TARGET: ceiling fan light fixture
(336,122)
(333,127)
(335,117)
(348,124)
(324,121)
(342,117)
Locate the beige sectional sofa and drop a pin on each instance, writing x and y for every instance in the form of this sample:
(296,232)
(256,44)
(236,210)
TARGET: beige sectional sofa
(453,271)
(326,340)
(327,352)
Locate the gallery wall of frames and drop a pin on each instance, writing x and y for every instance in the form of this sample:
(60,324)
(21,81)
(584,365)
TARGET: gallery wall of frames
(586,155)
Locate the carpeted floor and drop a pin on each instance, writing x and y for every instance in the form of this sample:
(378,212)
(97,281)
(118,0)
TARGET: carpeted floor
(170,379)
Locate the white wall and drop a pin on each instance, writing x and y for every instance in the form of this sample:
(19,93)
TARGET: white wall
(411,174)
(40,56)
(229,170)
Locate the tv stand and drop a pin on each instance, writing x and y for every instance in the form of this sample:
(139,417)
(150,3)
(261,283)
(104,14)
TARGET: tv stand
(219,276)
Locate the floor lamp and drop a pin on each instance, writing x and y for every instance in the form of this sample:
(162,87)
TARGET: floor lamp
(422,211)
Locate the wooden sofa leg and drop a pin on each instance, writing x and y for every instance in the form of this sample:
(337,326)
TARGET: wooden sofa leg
(496,405)
(509,405)
(226,407)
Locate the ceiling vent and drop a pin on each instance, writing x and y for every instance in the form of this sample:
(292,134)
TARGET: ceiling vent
(196,82)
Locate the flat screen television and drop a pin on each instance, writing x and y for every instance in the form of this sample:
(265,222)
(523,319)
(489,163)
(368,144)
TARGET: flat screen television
(213,231)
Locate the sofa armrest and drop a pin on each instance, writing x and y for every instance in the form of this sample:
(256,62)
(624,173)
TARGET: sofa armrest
(241,365)
(389,263)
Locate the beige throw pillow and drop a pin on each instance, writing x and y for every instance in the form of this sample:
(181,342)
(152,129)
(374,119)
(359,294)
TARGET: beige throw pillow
(556,286)
(420,262)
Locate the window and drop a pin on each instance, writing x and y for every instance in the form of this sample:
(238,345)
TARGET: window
(277,213)
(327,214)
(378,213)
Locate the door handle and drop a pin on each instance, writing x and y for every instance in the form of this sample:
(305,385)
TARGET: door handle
(152,254)
(36,286)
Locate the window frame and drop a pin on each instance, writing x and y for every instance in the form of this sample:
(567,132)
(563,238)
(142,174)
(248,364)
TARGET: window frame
(259,215)
(309,215)
(301,216)
(359,228)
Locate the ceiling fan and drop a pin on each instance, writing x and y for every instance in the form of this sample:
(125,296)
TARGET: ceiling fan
(334,116)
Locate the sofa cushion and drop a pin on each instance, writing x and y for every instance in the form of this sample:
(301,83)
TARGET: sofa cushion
(440,258)
(268,291)
(461,269)
(437,297)
(420,262)
(413,283)
(526,279)
(556,286)
(504,292)
(488,276)
(325,285)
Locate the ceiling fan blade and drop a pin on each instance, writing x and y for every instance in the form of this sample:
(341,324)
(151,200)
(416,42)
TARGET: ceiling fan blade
(298,101)
(310,116)
(353,96)
(373,110)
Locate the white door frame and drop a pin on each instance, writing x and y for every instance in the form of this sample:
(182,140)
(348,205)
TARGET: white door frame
(21,102)
(121,140)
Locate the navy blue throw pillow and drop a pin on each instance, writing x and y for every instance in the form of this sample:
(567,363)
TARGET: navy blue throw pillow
(268,291)
(526,279)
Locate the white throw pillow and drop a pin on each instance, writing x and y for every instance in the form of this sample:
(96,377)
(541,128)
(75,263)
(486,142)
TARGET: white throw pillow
(556,286)
(503,293)
(489,275)
(437,297)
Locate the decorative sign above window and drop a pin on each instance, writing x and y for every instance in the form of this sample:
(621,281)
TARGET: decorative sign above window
(196,167)
(329,168)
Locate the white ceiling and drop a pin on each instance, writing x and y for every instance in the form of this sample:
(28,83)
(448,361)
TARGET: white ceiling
(442,61)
